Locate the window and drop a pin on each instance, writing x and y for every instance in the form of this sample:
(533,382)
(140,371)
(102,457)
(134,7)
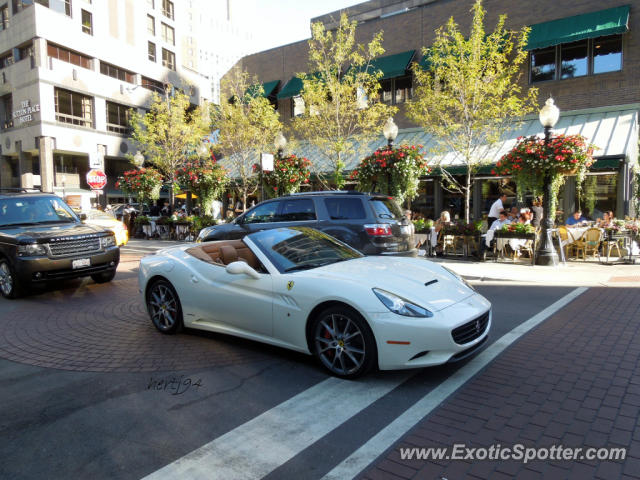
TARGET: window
(386,91)
(263,213)
(151,84)
(342,208)
(69,56)
(87,22)
(118,118)
(167,9)
(404,89)
(607,54)
(168,59)
(599,194)
(573,59)
(297,210)
(577,59)
(67,7)
(25,51)
(151,25)
(6,111)
(6,60)
(18,5)
(151,51)
(117,72)
(74,108)
(168,34)
(4,17)
(298,106)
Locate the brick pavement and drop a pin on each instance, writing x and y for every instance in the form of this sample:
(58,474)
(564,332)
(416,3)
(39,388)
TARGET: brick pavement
(85,326)
(574,381)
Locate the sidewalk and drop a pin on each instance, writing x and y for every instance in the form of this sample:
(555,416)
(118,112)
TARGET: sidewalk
(572,381)
(573,273)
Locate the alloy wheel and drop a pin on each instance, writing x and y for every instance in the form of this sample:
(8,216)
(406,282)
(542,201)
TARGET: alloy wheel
(163,307)
(6,279)
(340,344)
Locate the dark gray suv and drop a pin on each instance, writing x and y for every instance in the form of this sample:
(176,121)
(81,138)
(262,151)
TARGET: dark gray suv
(370,223)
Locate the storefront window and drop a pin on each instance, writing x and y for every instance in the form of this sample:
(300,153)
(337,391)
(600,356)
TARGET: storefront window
(492,188)
(574,59)
(607,54)
(453,201)
(599,195)
(423,204)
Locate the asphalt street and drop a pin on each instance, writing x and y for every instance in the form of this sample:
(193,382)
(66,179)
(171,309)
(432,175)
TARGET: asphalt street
(66,415)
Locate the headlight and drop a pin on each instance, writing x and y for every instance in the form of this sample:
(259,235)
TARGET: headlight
(401,306)
(109,241)
(458,277)
(31,250)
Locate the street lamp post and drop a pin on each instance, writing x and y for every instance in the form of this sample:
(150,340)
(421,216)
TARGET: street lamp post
(280,142)
(390,131)
(546,254)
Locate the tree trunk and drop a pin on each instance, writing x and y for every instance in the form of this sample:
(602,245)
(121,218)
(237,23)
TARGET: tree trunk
(467,196)
(172,198)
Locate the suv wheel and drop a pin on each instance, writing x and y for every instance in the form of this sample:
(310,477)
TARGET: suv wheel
(9,285)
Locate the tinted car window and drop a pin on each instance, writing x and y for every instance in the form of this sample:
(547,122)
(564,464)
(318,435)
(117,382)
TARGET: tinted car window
(262,213)
(296,210)
(17,211)
(386,208)
(345,208)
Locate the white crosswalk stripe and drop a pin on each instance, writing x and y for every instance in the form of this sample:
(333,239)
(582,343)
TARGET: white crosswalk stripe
(264,443)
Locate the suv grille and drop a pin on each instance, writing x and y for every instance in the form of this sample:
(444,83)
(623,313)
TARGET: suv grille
(74,247)
(470,330)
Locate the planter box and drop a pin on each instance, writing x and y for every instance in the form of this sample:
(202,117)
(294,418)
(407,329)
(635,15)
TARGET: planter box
(527,236)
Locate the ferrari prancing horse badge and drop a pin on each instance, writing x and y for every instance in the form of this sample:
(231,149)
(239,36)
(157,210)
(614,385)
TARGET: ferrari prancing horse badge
(290,285)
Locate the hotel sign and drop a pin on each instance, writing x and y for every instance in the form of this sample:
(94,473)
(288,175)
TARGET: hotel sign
(25,113)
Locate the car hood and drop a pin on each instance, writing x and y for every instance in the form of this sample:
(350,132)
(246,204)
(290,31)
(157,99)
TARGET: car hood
(415,279)
(42,233)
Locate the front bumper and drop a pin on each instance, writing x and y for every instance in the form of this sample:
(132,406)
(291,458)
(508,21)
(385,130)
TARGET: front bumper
(405,342)
(42,269)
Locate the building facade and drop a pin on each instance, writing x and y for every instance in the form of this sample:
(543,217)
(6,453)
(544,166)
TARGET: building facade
(585,54)
(70,72)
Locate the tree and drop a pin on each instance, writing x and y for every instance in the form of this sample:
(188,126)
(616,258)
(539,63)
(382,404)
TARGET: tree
(468,96)
(170,133)
(247,124)
(205,178)
(341,95)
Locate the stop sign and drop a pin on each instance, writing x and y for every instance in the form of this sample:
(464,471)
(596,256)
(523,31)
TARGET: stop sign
(96,179)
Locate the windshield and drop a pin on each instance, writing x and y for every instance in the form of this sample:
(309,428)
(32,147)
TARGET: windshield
(386,207)
(301,248)
(34,211)
(98,215)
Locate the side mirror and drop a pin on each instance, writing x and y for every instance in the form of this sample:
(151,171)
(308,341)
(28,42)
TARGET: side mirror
(236,268)
(83,217)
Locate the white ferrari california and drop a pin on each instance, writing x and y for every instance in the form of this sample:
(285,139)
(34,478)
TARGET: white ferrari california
(301,289)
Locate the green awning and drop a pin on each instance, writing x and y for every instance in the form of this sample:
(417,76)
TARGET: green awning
(606,164)
(292,88)
(392,65)
(267,87)
(571,29)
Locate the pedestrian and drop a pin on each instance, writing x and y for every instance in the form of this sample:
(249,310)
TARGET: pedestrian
(496,208)
(536,208)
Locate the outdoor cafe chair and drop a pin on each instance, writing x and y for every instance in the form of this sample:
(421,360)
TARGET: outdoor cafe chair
(589,243)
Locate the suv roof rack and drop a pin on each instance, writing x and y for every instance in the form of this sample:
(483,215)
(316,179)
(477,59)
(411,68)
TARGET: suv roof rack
(20,190)
(327,192)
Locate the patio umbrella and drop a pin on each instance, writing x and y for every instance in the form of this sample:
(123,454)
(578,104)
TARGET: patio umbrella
(184,195)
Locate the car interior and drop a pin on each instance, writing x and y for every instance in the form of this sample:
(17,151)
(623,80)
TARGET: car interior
(225,252)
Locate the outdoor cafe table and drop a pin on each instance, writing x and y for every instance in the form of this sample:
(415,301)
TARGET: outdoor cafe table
(626,237)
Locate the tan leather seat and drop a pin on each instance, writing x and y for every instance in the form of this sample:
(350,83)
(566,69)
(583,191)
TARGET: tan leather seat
(229,254)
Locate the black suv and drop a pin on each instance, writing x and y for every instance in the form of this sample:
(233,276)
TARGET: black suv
(42,239)
(370,223)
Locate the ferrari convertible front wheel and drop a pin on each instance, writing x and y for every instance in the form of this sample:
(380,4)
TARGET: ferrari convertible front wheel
(343,342)
(164,307)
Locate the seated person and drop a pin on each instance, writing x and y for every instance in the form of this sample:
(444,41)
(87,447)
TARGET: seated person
(576,219)
(502,220)
(514,214)
(524,219)
(444,219)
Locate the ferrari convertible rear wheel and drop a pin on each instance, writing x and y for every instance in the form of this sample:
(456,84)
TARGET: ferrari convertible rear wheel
(164,307)
(343,342)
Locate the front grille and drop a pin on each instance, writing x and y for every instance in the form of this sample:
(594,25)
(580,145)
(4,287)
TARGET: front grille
(74,247)
(470,330)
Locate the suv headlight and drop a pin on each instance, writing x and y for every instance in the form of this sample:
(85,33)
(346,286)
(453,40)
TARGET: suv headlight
(31,250)
(109,241)
(401,306)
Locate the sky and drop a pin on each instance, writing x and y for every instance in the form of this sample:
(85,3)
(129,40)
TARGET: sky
(279,22)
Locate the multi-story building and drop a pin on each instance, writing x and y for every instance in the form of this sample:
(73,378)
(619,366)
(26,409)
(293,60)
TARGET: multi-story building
(585,54)
(70,71)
